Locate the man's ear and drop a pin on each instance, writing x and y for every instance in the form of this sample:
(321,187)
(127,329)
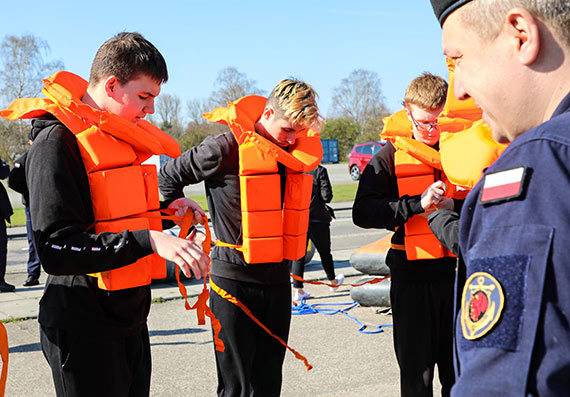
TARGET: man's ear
(110,84)
(526,34)
(268,113)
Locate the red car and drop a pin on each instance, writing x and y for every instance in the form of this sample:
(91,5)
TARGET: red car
(360,156)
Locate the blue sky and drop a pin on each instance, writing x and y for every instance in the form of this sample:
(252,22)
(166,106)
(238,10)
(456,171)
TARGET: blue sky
(318,41)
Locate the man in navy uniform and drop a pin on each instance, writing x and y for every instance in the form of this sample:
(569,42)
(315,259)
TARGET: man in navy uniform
(513,327)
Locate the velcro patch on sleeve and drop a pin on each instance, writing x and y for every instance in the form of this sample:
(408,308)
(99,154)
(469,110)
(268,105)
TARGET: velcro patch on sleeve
(492,305)
(503,185)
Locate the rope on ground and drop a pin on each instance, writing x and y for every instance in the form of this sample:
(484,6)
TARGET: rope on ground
(304,308)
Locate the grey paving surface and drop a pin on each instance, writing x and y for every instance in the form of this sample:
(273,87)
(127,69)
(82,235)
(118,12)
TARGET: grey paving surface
(346,362)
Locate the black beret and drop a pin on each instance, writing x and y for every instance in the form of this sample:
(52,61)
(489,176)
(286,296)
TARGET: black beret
(442,8)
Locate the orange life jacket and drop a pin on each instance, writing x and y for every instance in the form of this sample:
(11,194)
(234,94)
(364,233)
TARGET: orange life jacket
(414,173)
(466,145)
(270,232)
(124,192)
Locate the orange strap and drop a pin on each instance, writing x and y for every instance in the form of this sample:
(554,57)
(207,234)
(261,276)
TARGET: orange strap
(201,305)
(227,296)
(399,247)
(4,353)
(375,281)
(224,294)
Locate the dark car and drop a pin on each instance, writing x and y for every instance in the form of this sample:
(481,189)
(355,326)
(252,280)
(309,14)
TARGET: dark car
(360,156)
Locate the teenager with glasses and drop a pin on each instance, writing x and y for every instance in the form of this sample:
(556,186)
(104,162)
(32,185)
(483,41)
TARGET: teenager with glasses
(395,192)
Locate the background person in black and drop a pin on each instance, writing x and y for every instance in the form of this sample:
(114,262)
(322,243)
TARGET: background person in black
(5,212)
(17,182)
(319,232)
(421,291)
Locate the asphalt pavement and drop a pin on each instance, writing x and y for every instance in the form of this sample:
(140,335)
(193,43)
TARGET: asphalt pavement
(345,362)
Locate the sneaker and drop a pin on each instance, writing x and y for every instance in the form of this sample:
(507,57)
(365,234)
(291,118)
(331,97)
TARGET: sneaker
(31,281)
(5,287)
(303,295)
(339,280)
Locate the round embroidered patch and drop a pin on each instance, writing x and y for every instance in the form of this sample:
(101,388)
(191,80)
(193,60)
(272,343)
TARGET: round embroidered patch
(481,305)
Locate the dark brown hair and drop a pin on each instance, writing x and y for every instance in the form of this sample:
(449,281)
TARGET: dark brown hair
(126,56)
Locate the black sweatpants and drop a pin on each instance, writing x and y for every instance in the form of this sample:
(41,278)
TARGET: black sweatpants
(320,235)
(252,362)
(422,313)
(3,248)
(97,366)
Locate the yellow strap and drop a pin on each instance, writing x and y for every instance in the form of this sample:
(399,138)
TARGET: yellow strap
(234,246)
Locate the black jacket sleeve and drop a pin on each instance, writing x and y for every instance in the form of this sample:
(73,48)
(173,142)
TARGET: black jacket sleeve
(62,213)
(5,206)
(4,170)
(445,226)
(17,177)
(324,183)
(211,157)
(377,203)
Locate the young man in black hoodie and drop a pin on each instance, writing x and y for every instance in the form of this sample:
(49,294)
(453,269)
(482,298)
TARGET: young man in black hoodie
(96,340)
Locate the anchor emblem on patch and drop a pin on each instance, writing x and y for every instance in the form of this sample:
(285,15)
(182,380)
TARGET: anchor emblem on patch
(481,305)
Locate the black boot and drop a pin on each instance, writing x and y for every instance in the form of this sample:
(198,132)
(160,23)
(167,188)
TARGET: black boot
(5,287)
(31,281)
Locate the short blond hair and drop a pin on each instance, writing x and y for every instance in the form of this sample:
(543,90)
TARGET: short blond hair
(486,17)
(297,101)
(427,91)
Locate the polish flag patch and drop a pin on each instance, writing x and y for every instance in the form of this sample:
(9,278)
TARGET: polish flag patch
(503,185)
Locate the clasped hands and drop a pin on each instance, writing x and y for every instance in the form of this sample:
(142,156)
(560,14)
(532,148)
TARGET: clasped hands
(433,199)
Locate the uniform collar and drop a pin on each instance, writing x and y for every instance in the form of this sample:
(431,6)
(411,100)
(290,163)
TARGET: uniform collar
(563,107)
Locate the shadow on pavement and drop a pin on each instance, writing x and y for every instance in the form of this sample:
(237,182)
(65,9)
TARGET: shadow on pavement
(181,331)
(30,347)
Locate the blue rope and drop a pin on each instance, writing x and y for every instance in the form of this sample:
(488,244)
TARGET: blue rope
(304,308)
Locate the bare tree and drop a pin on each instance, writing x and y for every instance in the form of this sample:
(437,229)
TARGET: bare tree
(168,110)
(197,107)
(358,96)
(231,85)
(23,66)
(168,113)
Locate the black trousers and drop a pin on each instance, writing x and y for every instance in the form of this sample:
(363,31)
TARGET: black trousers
(422,313)
(252,362)
(320,235)
(3,248)
(33,258)
(97,366)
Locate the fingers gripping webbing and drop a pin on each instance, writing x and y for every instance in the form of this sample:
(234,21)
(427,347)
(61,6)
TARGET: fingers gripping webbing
(201,305)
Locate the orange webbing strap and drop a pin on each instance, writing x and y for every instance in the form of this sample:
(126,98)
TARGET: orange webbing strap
(4,353)
(376,280)
(201,306)
(224,294)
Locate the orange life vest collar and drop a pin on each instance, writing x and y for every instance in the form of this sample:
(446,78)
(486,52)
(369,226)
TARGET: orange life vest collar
(241,115)
(64,91)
